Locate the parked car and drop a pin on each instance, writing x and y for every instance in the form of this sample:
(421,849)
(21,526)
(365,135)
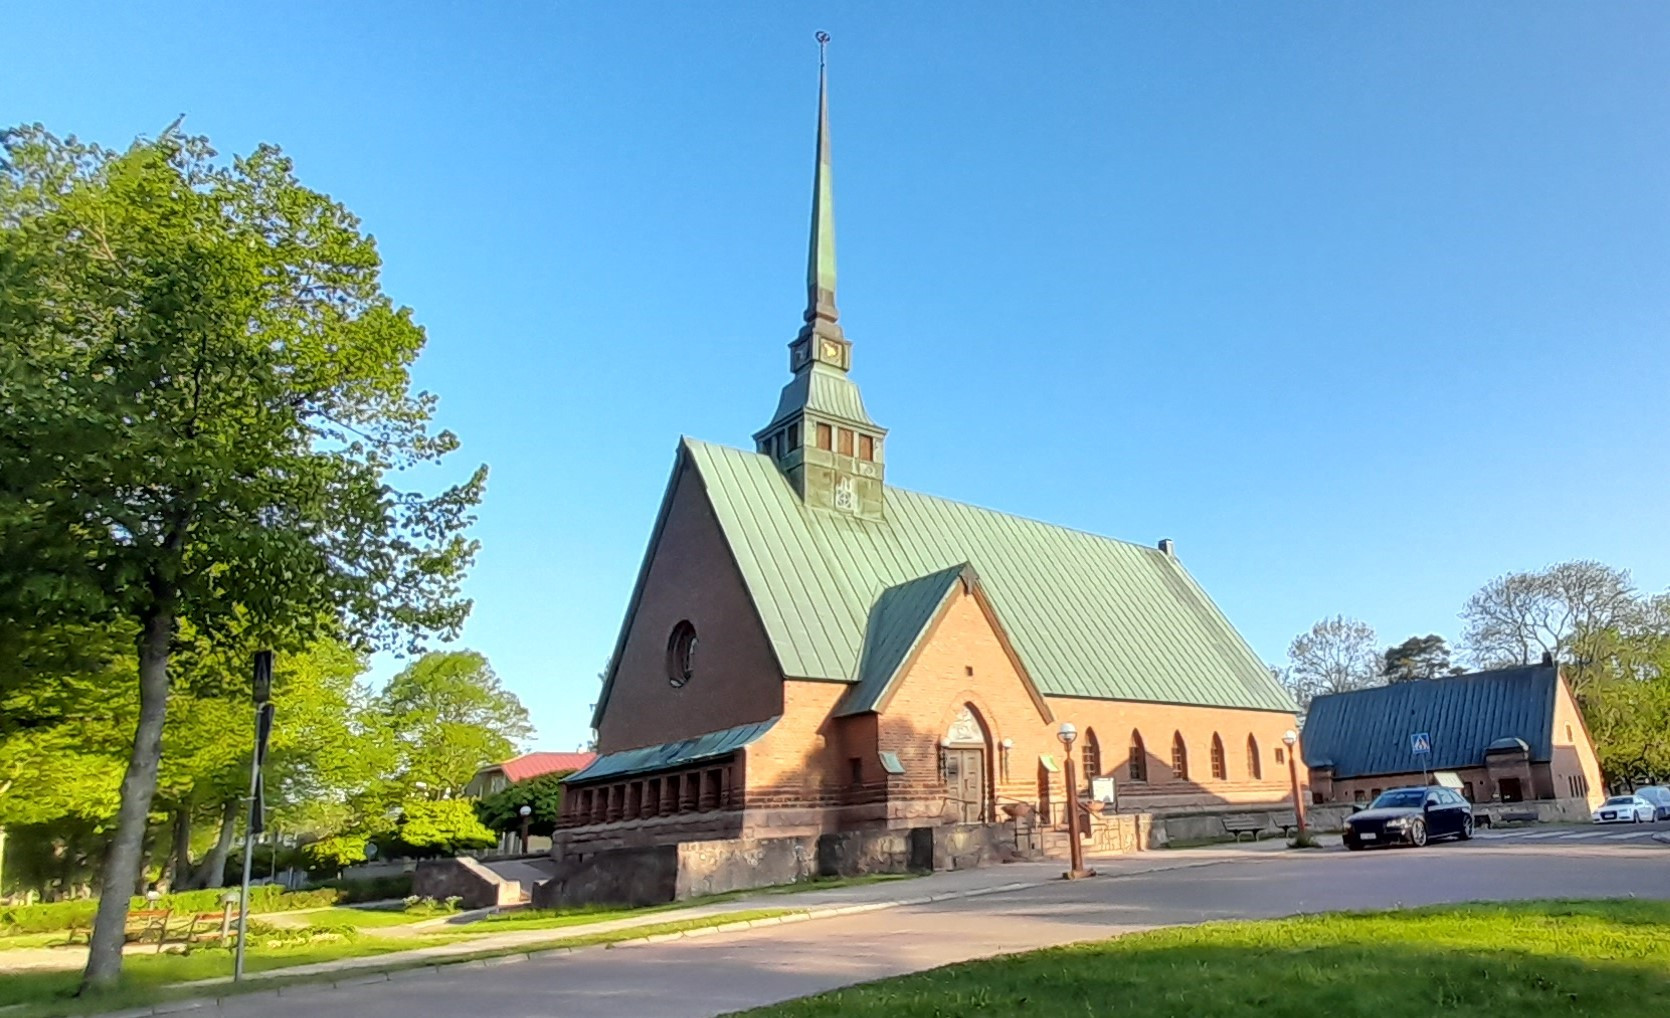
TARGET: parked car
(1625,809)
(1659,797)
(1410,816)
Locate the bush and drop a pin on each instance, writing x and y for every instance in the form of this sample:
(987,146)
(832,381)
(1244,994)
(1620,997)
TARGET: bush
(63,915)
(350,892)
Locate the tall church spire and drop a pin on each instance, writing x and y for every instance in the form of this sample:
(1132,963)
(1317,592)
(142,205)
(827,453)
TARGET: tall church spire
(821,437)
(822,319)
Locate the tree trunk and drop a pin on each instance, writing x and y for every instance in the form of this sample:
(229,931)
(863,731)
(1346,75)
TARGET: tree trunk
(139,785)
(212,872)
(179,873)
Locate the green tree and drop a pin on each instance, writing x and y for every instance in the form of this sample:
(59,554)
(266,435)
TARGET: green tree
(440,827)
(204,404)
(502,811)
(1419,657)
(450,716)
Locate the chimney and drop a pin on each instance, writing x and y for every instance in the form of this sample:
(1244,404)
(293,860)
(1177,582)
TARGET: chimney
(1167,547)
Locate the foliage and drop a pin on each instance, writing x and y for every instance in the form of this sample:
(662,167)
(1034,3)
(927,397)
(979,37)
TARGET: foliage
(450,716)
(415,905)
(1603,959)
(327,855)
(386,888)
(1419,657)
(1517,618)
(502,810)
(64,915)
(204,394)
(1337,655)
(440,827)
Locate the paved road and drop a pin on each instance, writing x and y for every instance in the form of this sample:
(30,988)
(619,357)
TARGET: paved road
(1597,833)
(717,974)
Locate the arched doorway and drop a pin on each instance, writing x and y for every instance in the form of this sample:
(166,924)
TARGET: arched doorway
(965,751)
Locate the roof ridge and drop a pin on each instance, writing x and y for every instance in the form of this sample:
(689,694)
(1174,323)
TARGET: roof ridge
(956,502)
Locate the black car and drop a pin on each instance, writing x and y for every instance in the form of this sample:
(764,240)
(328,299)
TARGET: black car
(1410,816)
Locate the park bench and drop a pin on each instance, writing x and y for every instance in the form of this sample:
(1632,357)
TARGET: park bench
(213,926)
(1288,822)
(1517,816)
(146,922)
(1243,823)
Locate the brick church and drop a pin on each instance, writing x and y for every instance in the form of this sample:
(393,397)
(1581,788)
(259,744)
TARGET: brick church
(810,649)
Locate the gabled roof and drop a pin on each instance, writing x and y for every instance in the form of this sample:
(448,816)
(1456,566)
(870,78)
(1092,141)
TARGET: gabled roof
(1086,616)
(667,755)
(534,765)
(1367,732)
(899,621)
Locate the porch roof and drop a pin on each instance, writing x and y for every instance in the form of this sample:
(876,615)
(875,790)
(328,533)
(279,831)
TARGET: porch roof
(670,755)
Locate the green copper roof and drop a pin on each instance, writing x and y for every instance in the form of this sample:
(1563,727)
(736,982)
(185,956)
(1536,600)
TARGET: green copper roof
(898,620)
(1088,616)
(824,390)
(646,759)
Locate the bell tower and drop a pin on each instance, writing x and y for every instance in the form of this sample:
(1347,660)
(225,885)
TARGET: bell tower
(821,437)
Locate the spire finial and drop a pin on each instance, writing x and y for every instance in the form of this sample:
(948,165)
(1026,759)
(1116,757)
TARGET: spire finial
(821,315)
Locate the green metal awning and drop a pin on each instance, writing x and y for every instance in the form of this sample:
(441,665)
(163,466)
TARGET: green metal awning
(669,755)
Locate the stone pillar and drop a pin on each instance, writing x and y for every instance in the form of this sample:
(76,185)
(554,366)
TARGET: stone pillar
(708,794)
(612,812)
(652,798)
(634,798)
(669,795)
(687,792)
(594,803)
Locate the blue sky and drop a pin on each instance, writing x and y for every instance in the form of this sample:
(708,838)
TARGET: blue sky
(1363,305)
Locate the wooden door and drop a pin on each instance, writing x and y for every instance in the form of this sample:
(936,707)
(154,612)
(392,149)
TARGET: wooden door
(965,774)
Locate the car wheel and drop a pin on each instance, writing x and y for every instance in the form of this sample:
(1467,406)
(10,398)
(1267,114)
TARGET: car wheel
(1417,834)
(1354,846)
(1466,829)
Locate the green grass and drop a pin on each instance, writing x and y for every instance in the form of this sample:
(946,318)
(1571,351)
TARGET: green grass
(34,940)
(1596,959)
(359,917)
(148,978)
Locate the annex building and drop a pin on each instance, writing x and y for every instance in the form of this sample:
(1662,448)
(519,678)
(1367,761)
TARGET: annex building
(1508,735)
(811,649)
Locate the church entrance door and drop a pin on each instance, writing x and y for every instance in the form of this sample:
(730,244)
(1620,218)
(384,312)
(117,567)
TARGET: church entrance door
(965,774)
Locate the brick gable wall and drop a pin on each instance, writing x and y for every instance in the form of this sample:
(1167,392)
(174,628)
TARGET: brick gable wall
(691,576)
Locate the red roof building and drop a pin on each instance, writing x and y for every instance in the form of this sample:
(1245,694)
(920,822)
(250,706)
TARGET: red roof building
(496,777)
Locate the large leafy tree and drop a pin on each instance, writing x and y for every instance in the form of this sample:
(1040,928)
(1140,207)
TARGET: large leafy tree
(449,716)
(1419,657)
(1337,655)
(204,406)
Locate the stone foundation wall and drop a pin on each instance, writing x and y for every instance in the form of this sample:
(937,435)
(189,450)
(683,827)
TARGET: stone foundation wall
(465,878)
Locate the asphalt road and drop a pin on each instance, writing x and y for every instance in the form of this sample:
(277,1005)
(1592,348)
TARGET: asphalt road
(714,975)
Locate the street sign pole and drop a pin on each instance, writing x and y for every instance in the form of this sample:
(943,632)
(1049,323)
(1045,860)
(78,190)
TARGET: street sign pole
(262,688)
(1420,744)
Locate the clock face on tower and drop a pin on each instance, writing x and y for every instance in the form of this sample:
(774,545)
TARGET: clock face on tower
(832,351)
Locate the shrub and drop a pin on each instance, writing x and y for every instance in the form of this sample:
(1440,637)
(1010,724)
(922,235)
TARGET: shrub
(63,915)
(350,892)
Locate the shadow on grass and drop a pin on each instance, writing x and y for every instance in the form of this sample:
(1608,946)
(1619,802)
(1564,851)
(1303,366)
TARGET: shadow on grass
(1529,960)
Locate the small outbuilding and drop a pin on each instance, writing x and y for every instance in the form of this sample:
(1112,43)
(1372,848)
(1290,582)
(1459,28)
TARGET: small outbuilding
(1508,735)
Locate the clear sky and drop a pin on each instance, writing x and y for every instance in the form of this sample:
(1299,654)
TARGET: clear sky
(1362,304)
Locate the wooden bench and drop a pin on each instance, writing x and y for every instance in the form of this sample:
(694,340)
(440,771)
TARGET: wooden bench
(1243,823)
(221,926)
(1516,816)
(1288,822)
(146,922)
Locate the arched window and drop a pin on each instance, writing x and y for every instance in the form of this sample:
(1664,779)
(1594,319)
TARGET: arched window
(1139,758)
(1255,766)
(1220,769)
(1092,756)
(1179,757)
(681,653)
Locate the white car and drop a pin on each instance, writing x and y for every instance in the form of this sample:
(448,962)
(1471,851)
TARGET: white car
(1625,809)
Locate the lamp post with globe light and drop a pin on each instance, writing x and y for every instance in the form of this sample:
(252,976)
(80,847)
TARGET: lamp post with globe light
(1291,738)
(1075,848)
(527,814)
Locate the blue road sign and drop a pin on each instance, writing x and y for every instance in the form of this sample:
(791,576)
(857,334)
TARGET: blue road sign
(1420,744)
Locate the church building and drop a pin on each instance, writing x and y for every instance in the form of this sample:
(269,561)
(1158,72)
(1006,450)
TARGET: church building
(811,649)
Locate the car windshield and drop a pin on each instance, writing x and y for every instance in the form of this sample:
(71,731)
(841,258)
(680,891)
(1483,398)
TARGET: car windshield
(1401,798)
(1621,800)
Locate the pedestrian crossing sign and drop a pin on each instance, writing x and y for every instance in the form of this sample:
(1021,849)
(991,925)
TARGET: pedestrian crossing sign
(1420,744)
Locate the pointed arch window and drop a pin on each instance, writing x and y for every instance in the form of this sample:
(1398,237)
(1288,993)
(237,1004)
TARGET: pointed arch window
(1179,757)
(1255,766)
(1220,768)
(1138,770)
(1092,751)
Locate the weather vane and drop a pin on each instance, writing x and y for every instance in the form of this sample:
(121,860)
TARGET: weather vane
(823,42)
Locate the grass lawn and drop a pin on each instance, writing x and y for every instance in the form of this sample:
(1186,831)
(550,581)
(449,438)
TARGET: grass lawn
(358,917)
(1596,959)
(147,978)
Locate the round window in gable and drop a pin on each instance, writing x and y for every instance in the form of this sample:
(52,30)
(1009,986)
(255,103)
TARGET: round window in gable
(681,653)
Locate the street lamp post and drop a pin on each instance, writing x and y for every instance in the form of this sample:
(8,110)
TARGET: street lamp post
(527,814)
(1292,739)
(1075,848)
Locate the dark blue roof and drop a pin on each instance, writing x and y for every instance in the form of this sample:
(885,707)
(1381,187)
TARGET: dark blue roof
(1367,732)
